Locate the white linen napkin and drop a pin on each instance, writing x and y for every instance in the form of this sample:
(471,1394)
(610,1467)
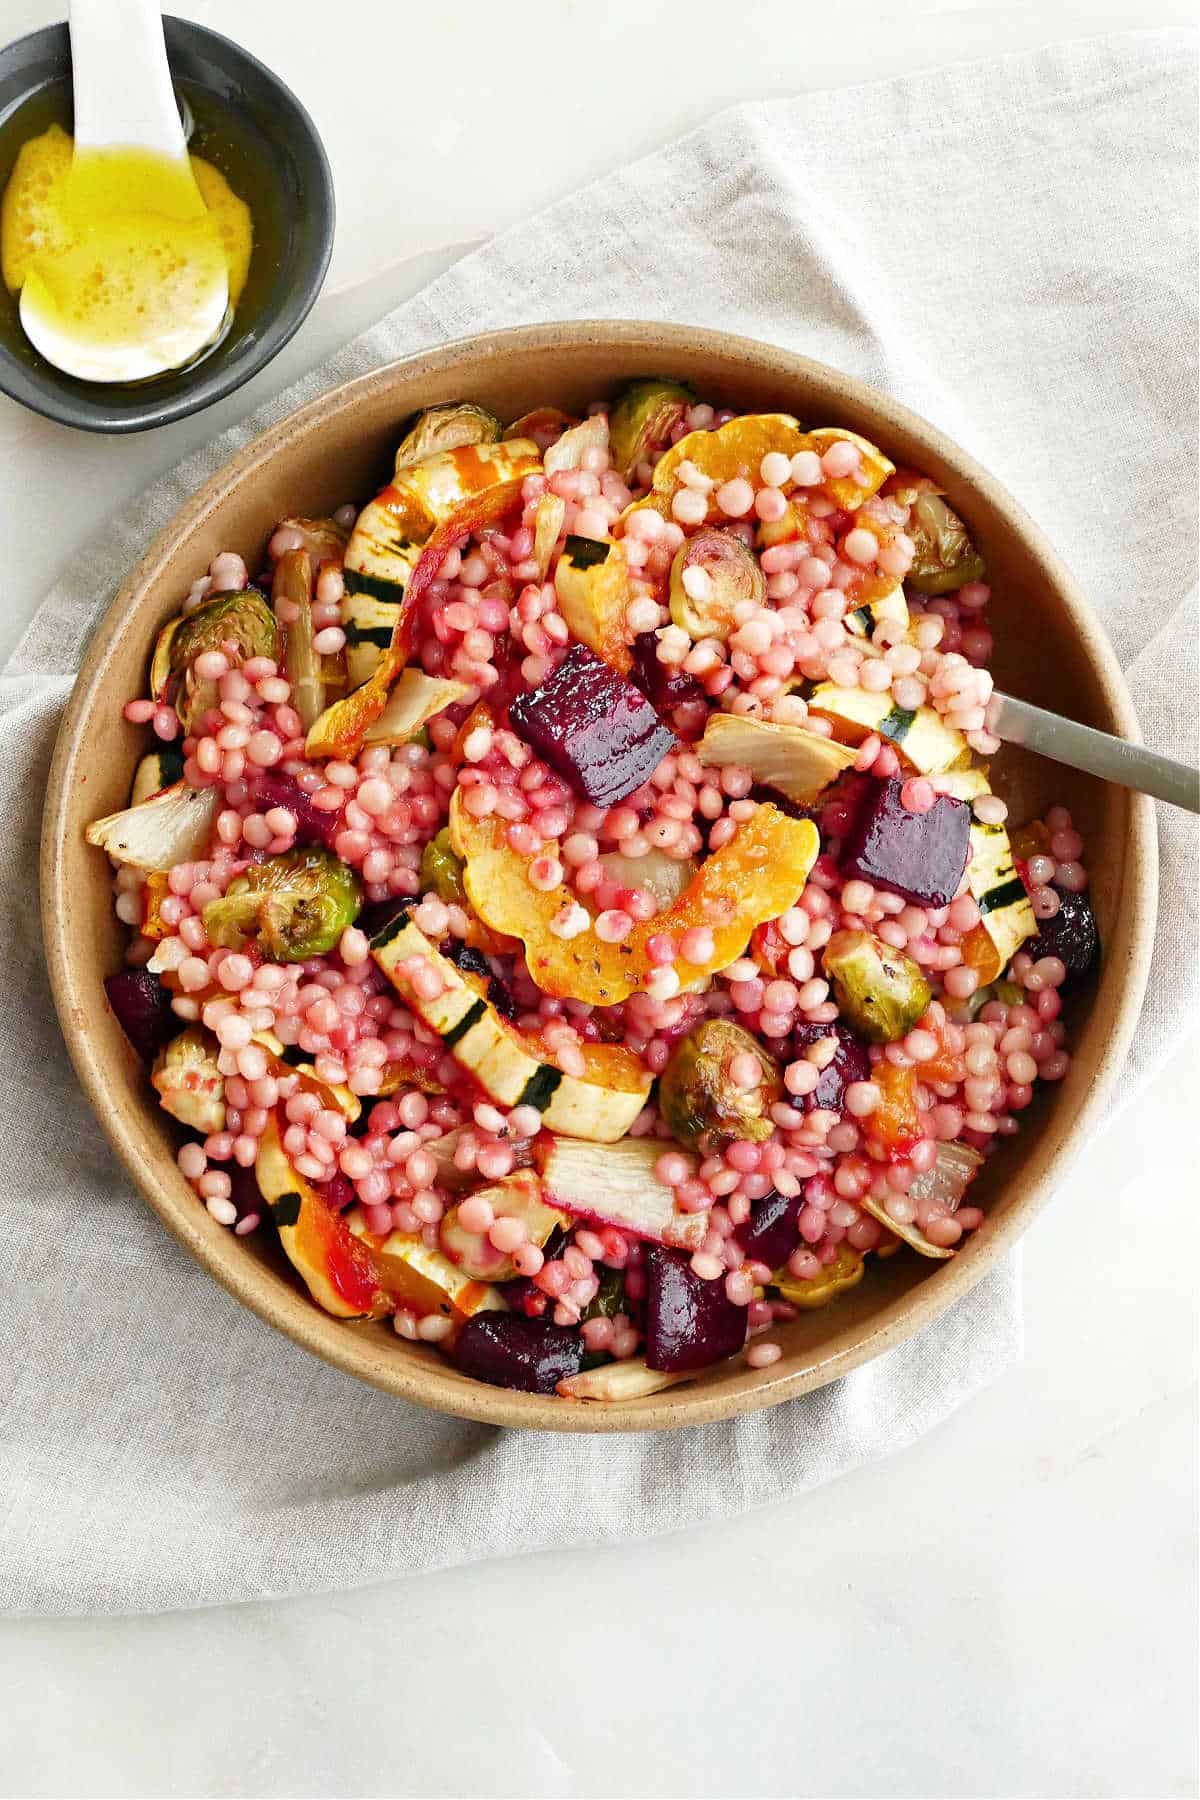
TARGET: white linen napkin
(1008,248)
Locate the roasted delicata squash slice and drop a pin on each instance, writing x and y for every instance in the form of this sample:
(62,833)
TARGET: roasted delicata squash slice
(516,1196)
(172,826)
(591,580)
(336,1267)
(189,1084)
(385,544)
(756,876)
(921,737)
(845,1271)
(887,609)
(421,1280)
(157,770)
(512,1068)
(1008,917)
(368,623)
(799,764)
(739,447)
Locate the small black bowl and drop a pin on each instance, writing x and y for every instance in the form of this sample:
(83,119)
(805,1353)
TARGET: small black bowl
(265,142)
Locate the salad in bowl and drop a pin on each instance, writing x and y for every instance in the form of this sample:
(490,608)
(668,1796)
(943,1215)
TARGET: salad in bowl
(567,901)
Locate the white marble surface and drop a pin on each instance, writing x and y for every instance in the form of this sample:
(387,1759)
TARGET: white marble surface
(1008,1607)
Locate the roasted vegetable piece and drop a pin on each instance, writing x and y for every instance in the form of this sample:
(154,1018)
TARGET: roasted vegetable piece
(757,875)
(690,1322)
(189,1084)
(591,581)
(441,871)
(666,877)
(157,770)
(314,825)
(845,1271)
(954,1169)
(173,826)
(297,905)
(697,1096)
(642,418)
(291,595)
(797,763)
(421,1280)
(920,856)
(921,738)
(619,1185)
(338,1270)
(850,1063)
(667,687)
(143,1008)
(593,727)
(517,1196)
(628,1380)
(240,624)
(881,990)
(1072,935)
(508,1351)
(945,558)
(740,445)
(568,451)
(609,1298)
(713,574)
(415,699)
(894,1127)
(451,425)
(772,1231)
(995,884)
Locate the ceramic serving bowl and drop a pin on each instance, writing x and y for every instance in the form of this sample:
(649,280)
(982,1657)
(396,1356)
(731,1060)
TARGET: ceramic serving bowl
(1049,649)
(268,145)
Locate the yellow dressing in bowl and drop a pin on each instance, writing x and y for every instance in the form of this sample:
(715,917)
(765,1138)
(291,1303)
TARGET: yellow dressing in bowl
(119,245)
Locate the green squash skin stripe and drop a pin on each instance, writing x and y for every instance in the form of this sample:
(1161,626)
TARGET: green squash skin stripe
(376,587)
(541,1087)
(286,1210)
(394,928)
(867,619)
(585,553)
(379,635)
(1000,897)
(471,1017)
(895,725)
(170,763)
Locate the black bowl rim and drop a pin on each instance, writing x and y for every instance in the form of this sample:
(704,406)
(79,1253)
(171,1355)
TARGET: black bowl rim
(43,396)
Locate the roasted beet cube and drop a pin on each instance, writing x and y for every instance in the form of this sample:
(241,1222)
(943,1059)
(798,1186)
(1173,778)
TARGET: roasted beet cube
(850,1063)
(664,687)
(313,824)
(509,1351)
(143,1008)
(920,856)
(593,727)
(1072,935)
(772,1231)
(690,1322)
(246,1194)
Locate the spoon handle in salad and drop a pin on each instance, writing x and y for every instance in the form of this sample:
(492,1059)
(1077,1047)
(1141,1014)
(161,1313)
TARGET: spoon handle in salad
(1095,752)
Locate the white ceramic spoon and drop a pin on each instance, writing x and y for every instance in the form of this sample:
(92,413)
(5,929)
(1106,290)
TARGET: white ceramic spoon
(124,100)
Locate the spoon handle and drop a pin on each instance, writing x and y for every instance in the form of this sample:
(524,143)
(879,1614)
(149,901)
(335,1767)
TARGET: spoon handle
(1095,752)
(122,84)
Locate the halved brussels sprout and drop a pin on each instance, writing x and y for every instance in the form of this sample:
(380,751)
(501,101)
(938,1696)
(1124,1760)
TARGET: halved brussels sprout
(642,419)
(714,573)
(698,1098)
(945,556)
(441,870)
(452,425)
(798,763)
(189,1083)
(242,619)
(292,584)
(832,1279)
(881,991)
(297,905)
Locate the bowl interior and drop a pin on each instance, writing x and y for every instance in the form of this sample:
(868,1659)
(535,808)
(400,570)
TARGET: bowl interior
(1049,650)
(262,139)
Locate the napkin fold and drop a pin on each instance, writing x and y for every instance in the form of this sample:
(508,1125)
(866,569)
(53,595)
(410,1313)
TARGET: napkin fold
(1007,247)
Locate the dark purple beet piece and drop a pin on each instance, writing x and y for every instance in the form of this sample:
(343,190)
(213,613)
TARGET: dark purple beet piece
(593,727)
(245,1193)
(338,1192)
(143,1008)
(664,688)
(772,1231)
(376,915)
(524,1297)
(508,1351)
(313,826)
(1072,935)
(689,1322)
(850,1063)
(920,856)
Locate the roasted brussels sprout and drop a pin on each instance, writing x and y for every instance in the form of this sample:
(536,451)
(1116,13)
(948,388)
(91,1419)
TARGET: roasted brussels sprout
(243,619)
(945,556)
(642,418)
(700,1101)
(713,574)
(450,426)
(881,991)
(292,585)
(441,870)
(297,905)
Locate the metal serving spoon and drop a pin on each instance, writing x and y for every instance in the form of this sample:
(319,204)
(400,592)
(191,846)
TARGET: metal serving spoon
(1095,752)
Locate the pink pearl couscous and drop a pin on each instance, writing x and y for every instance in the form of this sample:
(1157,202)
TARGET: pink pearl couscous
(585,931)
